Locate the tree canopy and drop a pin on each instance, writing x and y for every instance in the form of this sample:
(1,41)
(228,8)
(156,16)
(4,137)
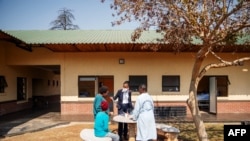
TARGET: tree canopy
(64,21)
(215,23)
(212,21)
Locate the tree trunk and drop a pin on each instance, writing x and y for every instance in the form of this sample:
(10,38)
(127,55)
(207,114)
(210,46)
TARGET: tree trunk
(192,101)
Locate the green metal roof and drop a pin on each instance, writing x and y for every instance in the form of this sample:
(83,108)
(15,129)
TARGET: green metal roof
(243,40)
(93,37)
(81,36)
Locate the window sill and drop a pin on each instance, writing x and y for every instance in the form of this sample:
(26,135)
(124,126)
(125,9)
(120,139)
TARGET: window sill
(86,98)
(22,101)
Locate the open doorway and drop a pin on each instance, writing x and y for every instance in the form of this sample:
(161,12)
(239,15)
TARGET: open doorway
(209,88)
(46,87)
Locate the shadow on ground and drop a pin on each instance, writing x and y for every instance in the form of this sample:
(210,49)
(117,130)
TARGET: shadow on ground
(29,120)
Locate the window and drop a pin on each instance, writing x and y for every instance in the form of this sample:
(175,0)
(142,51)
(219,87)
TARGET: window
(222,85)
(21,88)
(135,81)
(3,84)
(170,83)
(88,85)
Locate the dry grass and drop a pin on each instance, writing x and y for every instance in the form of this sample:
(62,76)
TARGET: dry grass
(188,131)
(71,133)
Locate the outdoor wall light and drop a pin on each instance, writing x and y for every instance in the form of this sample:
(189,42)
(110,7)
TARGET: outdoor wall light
(121,61)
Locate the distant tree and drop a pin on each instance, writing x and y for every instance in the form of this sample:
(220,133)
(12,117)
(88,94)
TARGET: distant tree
(64,21)
(217,24)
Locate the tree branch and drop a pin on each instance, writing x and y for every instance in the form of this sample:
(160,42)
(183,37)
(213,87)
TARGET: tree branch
(225,16)
(240,27)
(237,62)
(186,17)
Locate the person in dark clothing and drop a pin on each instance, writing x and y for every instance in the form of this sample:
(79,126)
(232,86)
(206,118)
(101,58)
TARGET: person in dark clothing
(124,105)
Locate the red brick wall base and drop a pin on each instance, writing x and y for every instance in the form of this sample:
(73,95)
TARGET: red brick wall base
(233,107)
(76,108)
(80,108)
(13,106)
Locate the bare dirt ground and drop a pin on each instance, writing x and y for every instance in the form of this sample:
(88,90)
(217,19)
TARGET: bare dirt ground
(71,132)
(62,133)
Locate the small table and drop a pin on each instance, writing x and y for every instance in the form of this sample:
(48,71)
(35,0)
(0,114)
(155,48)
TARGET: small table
(131,125)
(170,133)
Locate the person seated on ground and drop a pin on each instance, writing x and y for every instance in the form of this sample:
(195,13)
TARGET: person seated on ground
(101,125)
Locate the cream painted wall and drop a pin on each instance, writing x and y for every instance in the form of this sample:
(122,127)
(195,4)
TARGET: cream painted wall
(152,64)
(12,65)
(42,88)
(12,72)
(149,64)
(240,80)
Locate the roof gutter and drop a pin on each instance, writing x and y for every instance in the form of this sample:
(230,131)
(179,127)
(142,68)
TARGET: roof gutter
(24,46)
(19,43)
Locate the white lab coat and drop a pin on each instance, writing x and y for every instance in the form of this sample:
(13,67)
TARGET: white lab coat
(143,113)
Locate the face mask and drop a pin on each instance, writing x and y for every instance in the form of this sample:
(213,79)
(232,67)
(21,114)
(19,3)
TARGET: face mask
(125,89)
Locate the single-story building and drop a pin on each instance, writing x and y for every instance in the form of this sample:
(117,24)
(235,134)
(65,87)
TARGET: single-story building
(69,66)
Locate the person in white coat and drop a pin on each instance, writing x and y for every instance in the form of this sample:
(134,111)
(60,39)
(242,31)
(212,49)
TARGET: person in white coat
(143,114)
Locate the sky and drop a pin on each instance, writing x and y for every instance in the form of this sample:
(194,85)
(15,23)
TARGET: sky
(38,14)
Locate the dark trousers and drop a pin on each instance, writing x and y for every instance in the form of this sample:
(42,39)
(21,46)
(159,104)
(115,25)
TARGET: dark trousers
(123,127)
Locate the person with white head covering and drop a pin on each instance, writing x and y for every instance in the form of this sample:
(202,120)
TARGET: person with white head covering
(143,114)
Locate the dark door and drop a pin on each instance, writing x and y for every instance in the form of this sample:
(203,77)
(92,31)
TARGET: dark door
(21,88)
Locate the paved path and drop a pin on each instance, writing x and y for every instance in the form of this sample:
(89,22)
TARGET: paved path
(29,124)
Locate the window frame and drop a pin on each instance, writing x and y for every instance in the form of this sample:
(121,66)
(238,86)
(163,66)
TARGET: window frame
(85,94)
(134,85)
(90,89)
(171,87)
